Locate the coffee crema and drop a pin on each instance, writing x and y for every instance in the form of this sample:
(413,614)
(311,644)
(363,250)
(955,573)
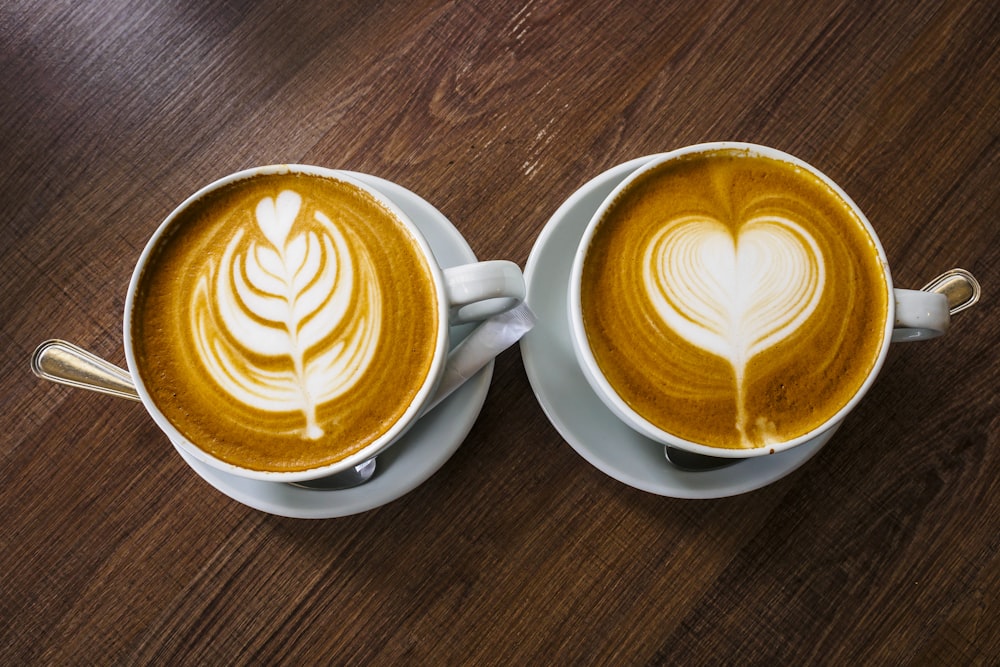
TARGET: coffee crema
(285,321)
(733,300)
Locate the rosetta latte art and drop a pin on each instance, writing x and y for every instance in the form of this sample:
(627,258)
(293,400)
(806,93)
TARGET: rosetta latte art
(290,293)
(734,295)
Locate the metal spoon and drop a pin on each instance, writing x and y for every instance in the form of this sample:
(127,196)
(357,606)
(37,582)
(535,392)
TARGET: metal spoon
(65,363)
(958,285)
(345,479)
(691,462)
(960,288)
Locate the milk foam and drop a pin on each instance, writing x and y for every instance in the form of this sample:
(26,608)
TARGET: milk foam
(734,295)
(298,290)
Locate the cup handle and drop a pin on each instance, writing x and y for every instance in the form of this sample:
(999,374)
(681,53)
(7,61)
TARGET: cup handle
(483,289)
(919,315)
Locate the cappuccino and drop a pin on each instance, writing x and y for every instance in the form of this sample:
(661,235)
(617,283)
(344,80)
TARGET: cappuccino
(733,300)
(283,321)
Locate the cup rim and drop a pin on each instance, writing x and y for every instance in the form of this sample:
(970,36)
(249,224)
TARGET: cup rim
(397,430)
(606,392)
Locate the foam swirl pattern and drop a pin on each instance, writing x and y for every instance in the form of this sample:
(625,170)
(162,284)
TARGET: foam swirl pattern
(285,322)
(726,300)
(282,297)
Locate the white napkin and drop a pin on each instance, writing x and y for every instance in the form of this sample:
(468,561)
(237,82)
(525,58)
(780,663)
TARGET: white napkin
(489,339)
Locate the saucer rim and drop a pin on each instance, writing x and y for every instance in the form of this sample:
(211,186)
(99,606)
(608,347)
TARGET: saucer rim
(758,472)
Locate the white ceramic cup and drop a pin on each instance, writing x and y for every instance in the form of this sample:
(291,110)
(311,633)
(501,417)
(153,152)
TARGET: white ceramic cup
(911,315)
(465,293)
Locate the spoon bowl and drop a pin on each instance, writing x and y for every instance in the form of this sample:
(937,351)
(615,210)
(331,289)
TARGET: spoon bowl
(691,462)
(355,476)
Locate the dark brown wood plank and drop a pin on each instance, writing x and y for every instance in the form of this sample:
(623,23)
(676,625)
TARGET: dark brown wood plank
(881,550)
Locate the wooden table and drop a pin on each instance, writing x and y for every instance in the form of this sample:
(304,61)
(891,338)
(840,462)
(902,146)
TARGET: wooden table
(881,549)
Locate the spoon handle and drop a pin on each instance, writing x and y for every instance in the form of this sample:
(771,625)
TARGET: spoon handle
(959,286)
(65,363)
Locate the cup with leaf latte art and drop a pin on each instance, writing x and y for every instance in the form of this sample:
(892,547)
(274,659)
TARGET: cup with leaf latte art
(288,322)
(731,300)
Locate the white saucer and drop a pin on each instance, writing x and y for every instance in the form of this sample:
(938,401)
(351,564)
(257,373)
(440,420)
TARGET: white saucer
(425,447)
(566,397)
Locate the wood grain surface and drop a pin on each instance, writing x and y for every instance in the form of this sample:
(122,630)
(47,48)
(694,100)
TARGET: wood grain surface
(882,550)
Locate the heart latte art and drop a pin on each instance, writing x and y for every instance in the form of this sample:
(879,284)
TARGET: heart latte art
(732,300)
(284,321)
(734,294)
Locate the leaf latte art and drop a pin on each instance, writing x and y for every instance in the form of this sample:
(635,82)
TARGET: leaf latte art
(732,300)
(734,296)
(285,321)
(282,296)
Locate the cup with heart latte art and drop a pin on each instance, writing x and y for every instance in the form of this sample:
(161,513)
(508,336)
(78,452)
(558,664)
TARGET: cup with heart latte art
(729,299)
(289,322)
